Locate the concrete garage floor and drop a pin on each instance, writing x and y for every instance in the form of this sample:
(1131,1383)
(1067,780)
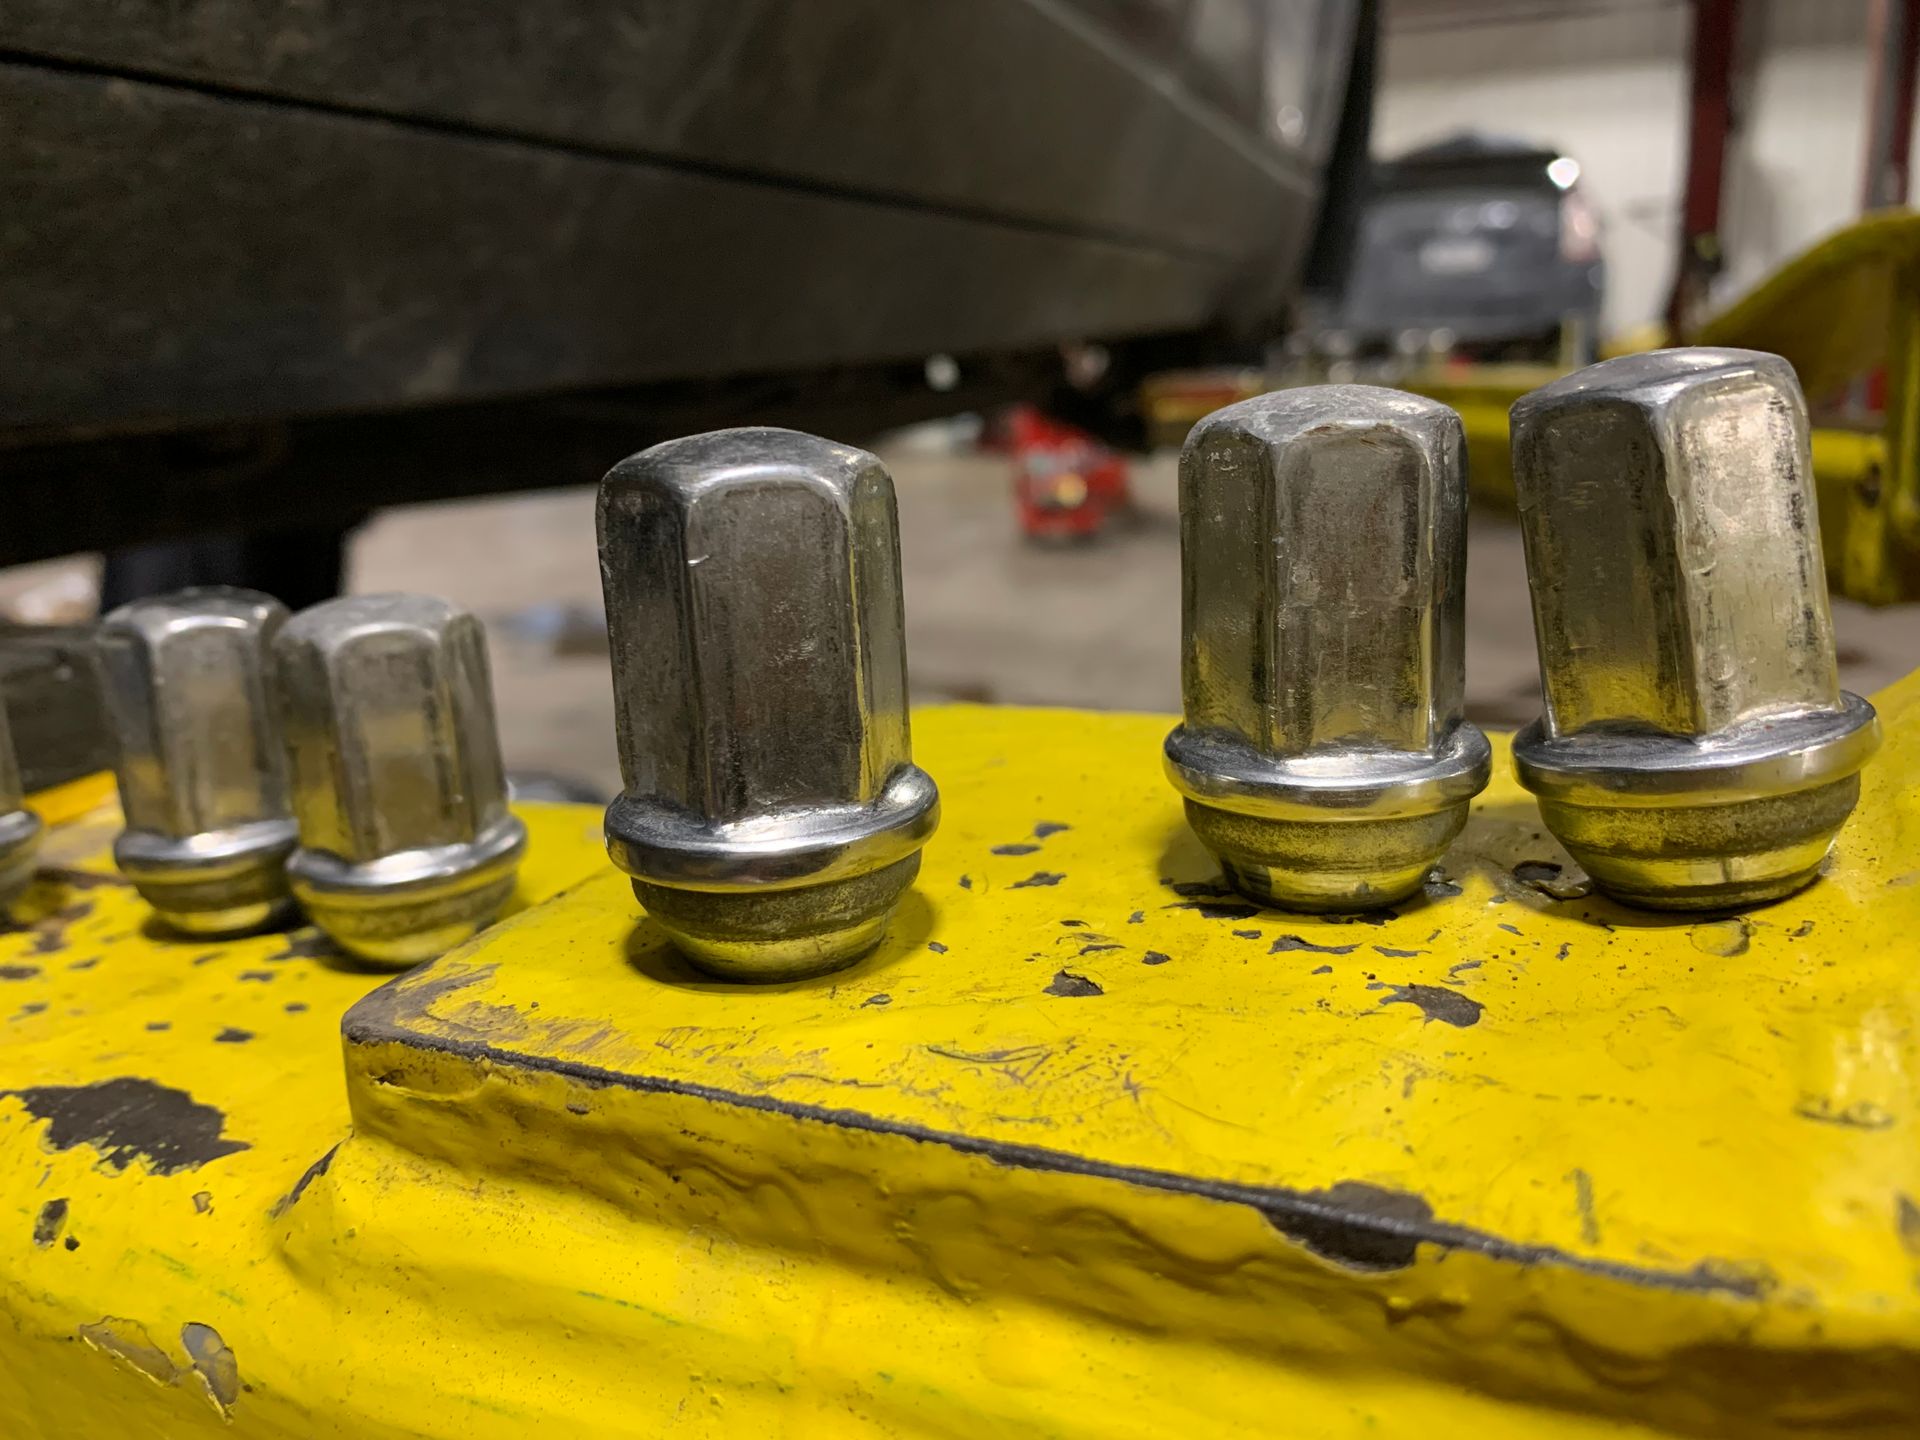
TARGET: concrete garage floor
(990,617)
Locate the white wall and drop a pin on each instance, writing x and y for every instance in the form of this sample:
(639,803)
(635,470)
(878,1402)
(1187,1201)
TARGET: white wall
(1610,88)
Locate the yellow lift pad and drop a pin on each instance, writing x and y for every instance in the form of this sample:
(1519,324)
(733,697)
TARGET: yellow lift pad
(1089,1147)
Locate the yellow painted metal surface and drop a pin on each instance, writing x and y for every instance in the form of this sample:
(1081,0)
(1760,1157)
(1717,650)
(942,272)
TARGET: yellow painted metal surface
(1088,1148)
(1845,308)
(1827,309)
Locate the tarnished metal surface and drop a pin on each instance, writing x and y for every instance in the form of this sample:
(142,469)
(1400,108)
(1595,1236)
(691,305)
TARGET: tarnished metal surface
(1089,1147)
(773,815)
(19,827)
(1697,751)
(406,843)
(186,679)
(1324,756)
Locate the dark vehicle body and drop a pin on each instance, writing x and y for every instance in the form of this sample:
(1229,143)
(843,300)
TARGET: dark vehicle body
(1479,247)
(271,266)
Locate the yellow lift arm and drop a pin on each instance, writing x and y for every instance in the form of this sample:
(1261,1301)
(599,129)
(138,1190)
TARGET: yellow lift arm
(1090,1147)
(1845,308)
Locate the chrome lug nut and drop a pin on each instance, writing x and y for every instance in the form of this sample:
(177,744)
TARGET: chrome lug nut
(406,844)
(186,680)
(1324,758)
(772,815)
(20,828)
(1697,751)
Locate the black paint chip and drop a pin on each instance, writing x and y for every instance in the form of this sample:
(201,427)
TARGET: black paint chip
(48,1224)
(1436,1002)
(1014,849)
(1039,877)
(1218,909)
(1155,957)
(1076,986)
(307,943)
(233,1035)
(1190,888)
(287,1201)
(1300,942)
(1361,1226)
(127,1119)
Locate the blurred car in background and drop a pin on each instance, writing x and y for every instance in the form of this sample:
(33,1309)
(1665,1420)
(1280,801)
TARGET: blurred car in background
(1479,248)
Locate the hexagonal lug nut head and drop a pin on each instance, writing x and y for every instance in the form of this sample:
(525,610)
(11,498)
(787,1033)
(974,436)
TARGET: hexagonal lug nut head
(1697,751)
(20,828)
(406,844)
(186,680)
(772,815)
(1324,758)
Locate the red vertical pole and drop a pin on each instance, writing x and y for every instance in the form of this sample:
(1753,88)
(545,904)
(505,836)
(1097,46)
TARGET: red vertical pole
(1893,57)
(1709,126)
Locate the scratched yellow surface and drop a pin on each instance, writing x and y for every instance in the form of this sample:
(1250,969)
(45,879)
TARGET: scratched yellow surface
(1085,1149)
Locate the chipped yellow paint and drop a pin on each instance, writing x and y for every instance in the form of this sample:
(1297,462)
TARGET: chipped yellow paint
(1085,1149)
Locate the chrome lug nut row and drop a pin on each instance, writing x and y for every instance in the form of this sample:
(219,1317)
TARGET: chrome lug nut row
(1695,752)
(344,759)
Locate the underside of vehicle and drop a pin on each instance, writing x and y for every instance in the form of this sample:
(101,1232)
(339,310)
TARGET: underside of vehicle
(270,268)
